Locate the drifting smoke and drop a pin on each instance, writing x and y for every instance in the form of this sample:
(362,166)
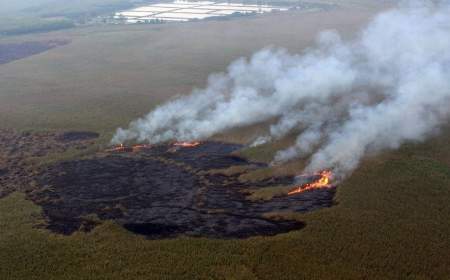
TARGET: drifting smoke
(345,99)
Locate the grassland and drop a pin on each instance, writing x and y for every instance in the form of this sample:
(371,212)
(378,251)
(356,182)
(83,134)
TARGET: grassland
(391,219)
(110,75)
(23,25)
(390,222)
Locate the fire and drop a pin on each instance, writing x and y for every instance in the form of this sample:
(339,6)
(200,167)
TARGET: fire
(322,183)
(139,147)
(186,144)
(123,148)
(118,148)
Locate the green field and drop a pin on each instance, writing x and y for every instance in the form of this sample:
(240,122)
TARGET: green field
(390,221)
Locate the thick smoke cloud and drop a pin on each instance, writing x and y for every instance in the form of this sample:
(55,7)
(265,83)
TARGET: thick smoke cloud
(343,99)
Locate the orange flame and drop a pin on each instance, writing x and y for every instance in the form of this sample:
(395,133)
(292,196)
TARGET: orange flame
(322,183)
(123,148)
(118,148)
(139,147)
(186,144)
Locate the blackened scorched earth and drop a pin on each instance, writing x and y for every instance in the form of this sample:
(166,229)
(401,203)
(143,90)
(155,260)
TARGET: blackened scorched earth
(165,192)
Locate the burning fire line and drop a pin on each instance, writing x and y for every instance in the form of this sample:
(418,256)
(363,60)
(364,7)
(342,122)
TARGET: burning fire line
(138,147)
(134,148)
(186,144)
(118,148)
(322,183)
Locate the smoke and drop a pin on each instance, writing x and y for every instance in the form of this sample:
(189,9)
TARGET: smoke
(344,99)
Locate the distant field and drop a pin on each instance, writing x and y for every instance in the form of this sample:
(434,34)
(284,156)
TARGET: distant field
(34,16)
(391,216)
(109,75)
(11,52)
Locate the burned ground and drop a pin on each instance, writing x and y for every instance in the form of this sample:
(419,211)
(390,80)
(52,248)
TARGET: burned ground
(159,191)
(164,192)
(21,150)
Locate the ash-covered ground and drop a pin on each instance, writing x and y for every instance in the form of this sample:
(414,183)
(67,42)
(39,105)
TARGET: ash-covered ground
(21,152)
(159,192)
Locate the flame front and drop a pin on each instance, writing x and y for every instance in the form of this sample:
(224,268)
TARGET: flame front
(322,183)
(123,148)
(118,148)
(139,147)
(186,144)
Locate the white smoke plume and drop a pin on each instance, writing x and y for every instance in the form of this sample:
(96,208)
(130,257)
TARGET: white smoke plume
(345,99)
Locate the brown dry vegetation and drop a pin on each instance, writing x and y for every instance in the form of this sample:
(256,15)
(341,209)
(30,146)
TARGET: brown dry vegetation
(391,217)
(109,75)
(390,222)
(267,193)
